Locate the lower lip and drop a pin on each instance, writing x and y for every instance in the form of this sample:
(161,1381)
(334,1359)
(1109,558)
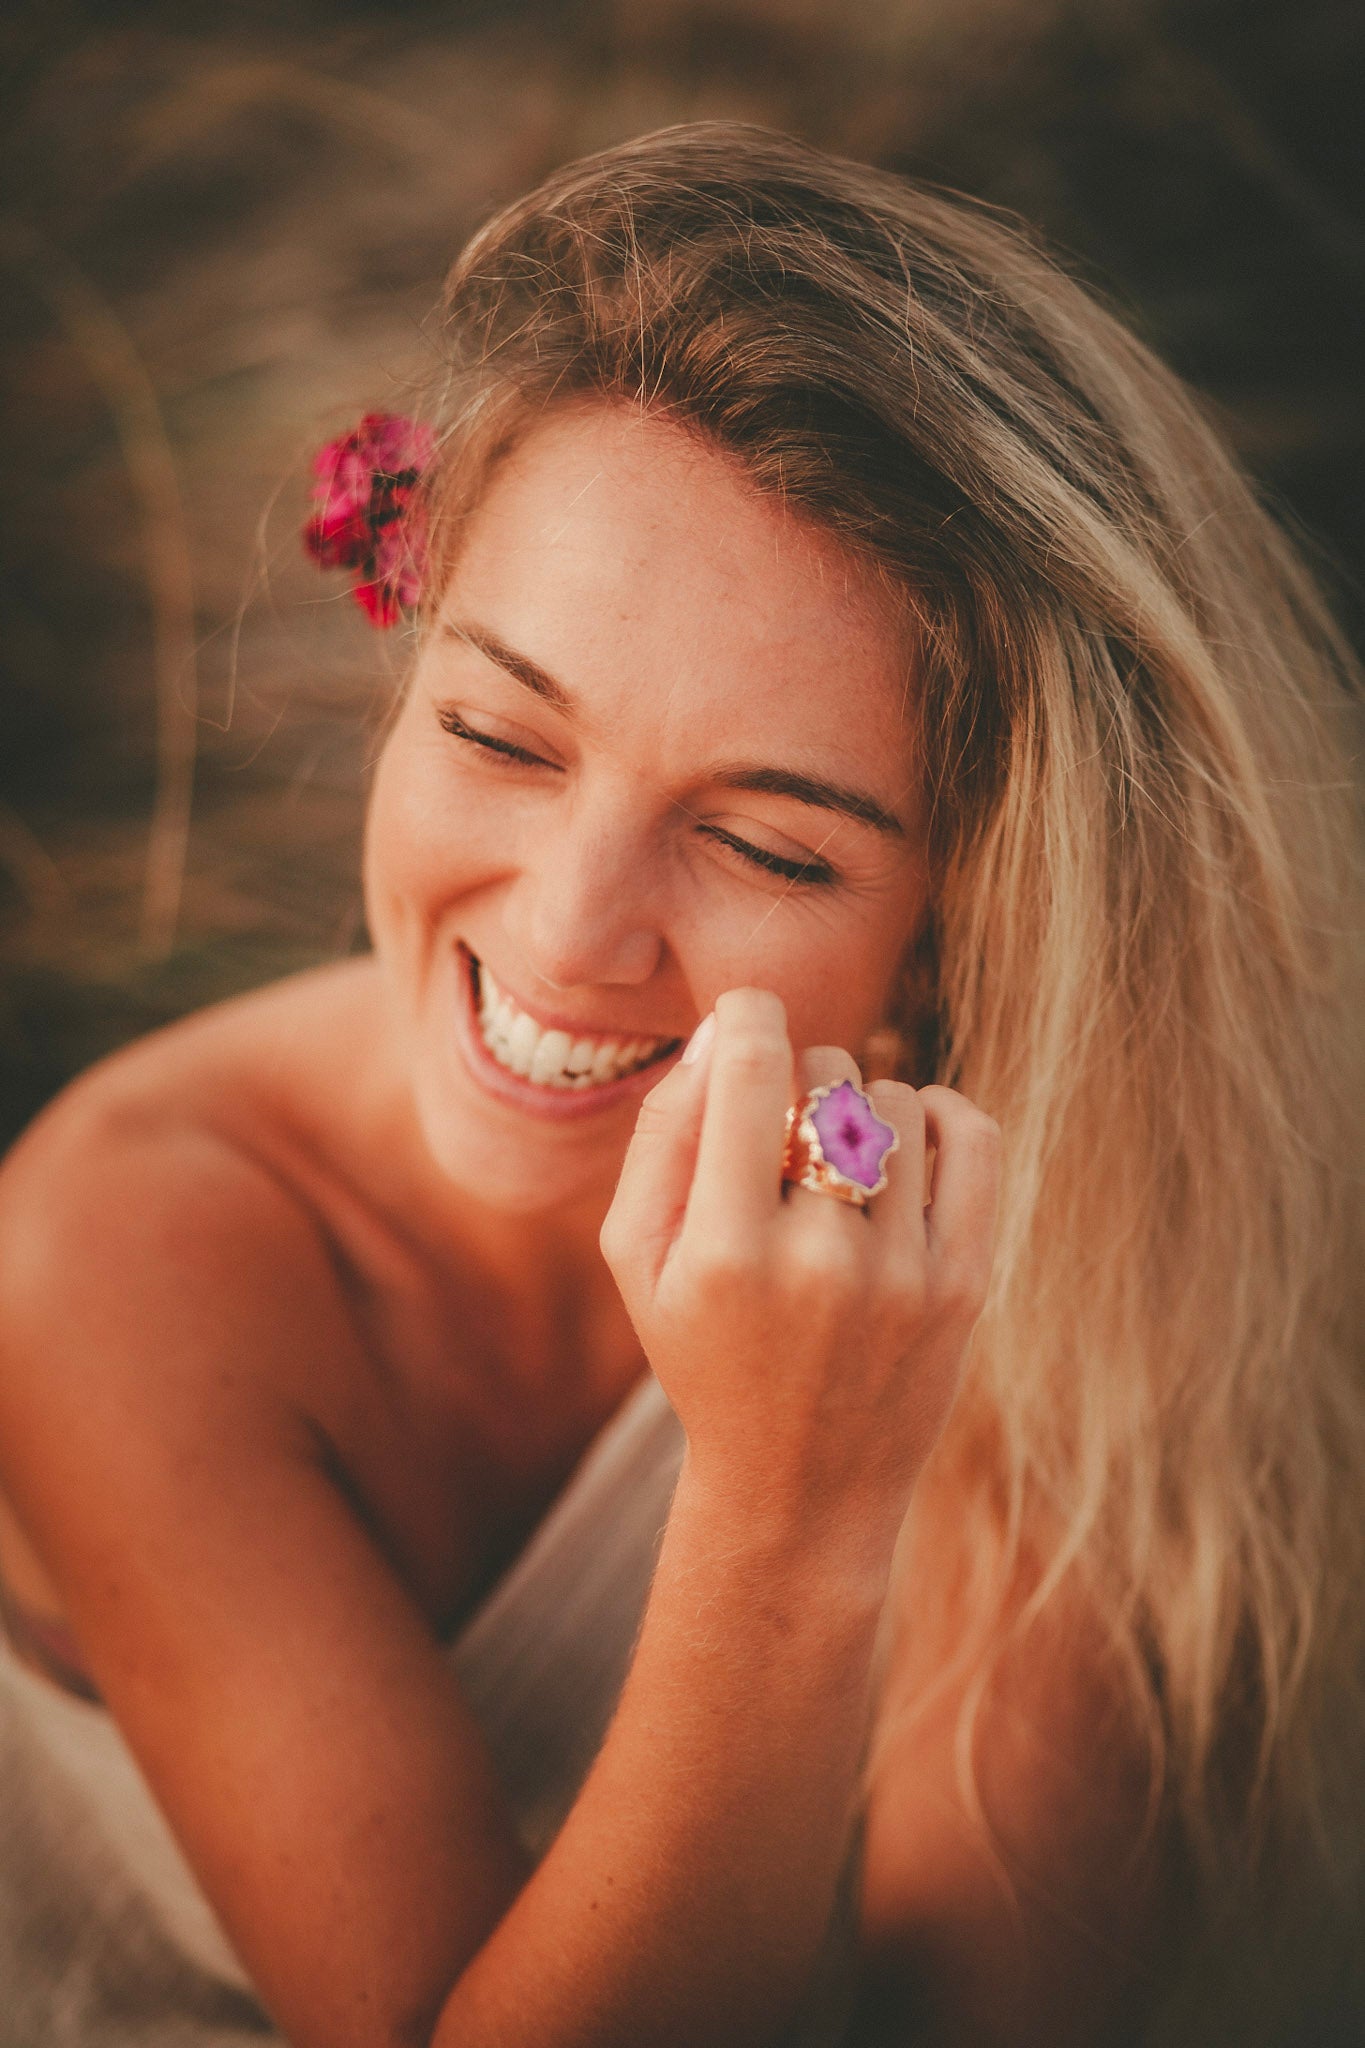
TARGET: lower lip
(553,1105)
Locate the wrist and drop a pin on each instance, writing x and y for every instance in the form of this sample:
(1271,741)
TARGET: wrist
(783,1533)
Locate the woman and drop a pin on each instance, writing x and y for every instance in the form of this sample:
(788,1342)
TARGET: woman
(840,643)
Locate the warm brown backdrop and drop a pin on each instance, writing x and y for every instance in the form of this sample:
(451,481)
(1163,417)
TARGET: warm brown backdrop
(221,230)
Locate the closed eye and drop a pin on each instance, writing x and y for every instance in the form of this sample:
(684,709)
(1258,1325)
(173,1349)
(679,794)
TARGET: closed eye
(509,751)
(810,873)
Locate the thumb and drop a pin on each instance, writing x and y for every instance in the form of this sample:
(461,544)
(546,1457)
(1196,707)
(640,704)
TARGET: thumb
(656,1177)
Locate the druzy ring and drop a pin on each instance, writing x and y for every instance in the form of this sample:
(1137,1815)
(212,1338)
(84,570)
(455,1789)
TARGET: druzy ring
(837,1144)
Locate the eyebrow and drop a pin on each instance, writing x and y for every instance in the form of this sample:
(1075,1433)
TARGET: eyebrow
(812,789)
(519,666)
(806,789)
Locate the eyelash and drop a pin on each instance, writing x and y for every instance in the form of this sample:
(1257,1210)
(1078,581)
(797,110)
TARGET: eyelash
(811,874)
(455,725)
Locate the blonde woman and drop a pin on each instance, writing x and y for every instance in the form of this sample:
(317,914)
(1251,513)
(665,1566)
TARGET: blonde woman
(496,1550)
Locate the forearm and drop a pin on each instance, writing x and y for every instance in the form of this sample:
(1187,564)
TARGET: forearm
(688,1891)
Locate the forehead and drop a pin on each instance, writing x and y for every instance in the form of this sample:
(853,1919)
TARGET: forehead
(636,563)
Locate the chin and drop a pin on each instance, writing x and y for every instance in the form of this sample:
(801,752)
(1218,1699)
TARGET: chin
(513,1172)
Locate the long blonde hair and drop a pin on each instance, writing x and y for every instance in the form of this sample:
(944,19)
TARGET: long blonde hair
(1146,861)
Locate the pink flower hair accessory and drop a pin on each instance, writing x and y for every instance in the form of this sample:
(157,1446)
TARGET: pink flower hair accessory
(366,515)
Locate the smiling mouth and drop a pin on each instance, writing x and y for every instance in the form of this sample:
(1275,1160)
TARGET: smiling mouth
(554,1058)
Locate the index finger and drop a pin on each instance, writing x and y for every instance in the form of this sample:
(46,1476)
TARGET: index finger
(738,1178)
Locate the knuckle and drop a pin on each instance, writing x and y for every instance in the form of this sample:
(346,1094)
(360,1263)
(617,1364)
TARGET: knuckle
(899,1103)
(903,1282)
(960,1287)
(617,1244)
(938,1098)
(653,1118)
(750,1049)
(822,1064)
(948,1106)
(621,1264)
(985,1132)
(824,1269)
(720,1266)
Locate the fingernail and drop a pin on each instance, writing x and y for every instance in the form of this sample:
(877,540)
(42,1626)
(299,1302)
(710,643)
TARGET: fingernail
(700,1039)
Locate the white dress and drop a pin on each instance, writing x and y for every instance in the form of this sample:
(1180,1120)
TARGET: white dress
(105,1936)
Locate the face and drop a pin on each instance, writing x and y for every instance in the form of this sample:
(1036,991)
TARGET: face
(657,745)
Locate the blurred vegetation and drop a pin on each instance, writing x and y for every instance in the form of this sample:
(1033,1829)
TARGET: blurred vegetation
(221,231)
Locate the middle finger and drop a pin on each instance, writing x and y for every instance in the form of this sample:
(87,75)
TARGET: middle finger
(824,1066)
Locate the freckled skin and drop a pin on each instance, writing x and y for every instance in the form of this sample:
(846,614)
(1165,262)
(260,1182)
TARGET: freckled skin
(694,623)
(323,1467)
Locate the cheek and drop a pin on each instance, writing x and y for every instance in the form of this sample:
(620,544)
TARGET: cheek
(389,841)
(831,969)
(420,841)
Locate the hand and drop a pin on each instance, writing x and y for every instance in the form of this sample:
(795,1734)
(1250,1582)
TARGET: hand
(805,1344)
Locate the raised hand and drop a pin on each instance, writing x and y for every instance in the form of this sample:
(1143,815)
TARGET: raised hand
(812,1350)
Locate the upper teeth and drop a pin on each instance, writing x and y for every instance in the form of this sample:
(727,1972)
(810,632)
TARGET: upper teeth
(553,1058)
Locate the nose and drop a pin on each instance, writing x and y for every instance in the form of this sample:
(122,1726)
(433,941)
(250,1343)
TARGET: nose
(581,911)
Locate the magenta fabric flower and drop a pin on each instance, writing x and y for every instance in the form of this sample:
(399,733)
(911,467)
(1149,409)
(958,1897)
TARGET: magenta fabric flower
(366,515)
(852,1136)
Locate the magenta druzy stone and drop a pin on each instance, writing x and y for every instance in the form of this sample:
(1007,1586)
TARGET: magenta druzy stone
(852,1136)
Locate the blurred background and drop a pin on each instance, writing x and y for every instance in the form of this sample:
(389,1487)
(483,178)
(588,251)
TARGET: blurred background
(222,230)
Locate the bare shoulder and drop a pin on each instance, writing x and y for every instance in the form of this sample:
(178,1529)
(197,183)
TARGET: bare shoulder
(1042,1926)
(170,1307)
(166,1300)
(229,1068)
(147,1197)
(185,1104)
